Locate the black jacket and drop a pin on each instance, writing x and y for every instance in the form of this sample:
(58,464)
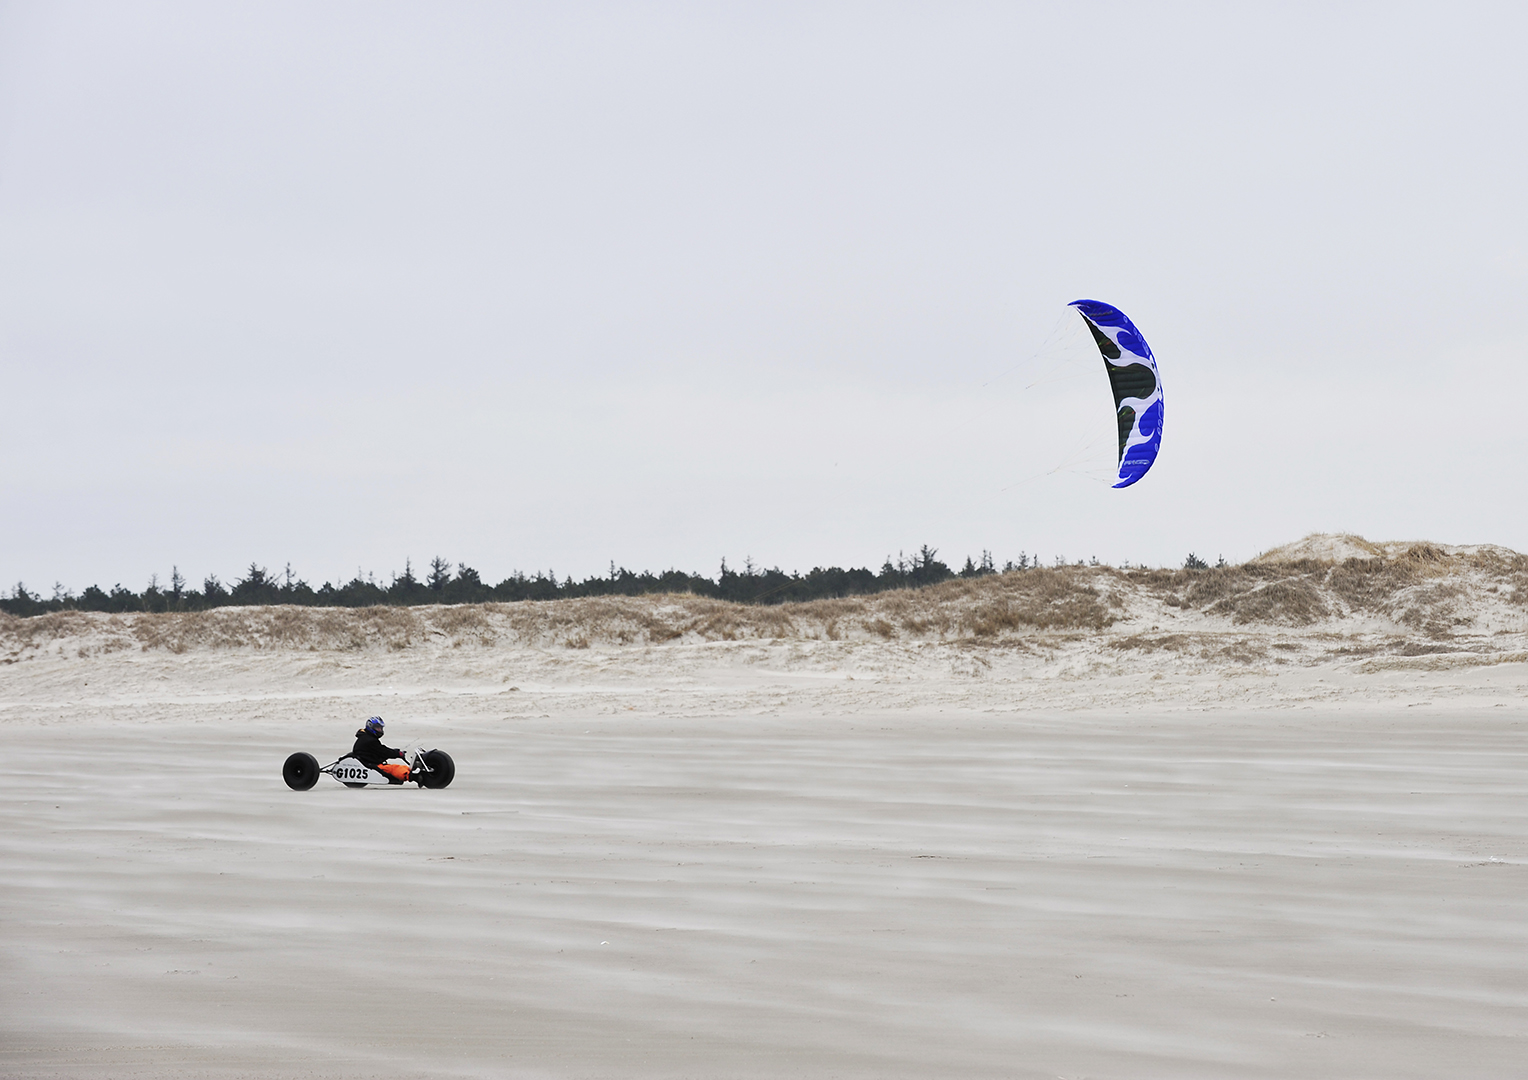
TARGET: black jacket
(370,751)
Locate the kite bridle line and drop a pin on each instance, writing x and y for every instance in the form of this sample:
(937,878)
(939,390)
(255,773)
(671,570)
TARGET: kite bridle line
(1068,334)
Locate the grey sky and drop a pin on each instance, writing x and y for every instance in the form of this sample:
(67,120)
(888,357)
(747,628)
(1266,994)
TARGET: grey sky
(543,286)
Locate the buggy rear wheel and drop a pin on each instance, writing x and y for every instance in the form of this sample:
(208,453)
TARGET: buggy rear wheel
(442,770)
(300,771)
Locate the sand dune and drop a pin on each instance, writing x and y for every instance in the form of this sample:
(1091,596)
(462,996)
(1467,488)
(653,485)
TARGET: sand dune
(1267,820)
(1333,620)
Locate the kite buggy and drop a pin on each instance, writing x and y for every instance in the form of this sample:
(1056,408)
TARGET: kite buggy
(369,762)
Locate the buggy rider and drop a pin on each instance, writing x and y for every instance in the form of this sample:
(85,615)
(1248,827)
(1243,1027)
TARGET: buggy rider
(370,751)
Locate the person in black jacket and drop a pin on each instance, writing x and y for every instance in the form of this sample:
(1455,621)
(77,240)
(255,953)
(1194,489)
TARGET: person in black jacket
(368,750)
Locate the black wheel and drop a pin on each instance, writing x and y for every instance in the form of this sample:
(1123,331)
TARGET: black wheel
(300,771)
(442,770)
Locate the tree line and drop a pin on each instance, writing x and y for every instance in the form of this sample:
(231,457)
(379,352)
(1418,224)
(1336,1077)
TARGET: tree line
(444,584)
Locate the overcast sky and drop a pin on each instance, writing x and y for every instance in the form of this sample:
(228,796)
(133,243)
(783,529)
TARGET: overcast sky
(543,286)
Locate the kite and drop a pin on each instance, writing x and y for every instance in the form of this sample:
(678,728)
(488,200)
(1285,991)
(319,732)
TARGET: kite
(1137,386)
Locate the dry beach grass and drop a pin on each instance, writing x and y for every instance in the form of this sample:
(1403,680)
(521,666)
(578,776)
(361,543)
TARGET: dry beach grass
(1325,601)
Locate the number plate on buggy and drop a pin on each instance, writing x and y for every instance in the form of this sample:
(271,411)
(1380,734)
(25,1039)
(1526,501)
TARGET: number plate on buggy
(353,772)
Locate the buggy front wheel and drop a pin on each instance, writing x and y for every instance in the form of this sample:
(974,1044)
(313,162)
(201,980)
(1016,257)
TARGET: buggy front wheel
(442,770)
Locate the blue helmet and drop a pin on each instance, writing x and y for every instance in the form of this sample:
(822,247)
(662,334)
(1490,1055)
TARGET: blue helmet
(374,726)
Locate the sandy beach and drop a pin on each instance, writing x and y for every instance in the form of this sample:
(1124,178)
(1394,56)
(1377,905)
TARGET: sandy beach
(766,856)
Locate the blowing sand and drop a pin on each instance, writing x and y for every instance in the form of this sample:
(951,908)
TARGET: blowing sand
(1266,847)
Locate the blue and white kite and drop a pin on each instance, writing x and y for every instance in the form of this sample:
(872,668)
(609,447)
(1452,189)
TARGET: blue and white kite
(1137,386)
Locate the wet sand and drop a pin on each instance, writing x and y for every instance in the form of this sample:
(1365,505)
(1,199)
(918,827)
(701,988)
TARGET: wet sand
(1252,894)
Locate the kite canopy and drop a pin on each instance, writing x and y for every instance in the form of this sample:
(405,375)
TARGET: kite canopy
(1137,387)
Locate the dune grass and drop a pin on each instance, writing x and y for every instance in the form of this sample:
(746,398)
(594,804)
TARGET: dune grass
(1418,593)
